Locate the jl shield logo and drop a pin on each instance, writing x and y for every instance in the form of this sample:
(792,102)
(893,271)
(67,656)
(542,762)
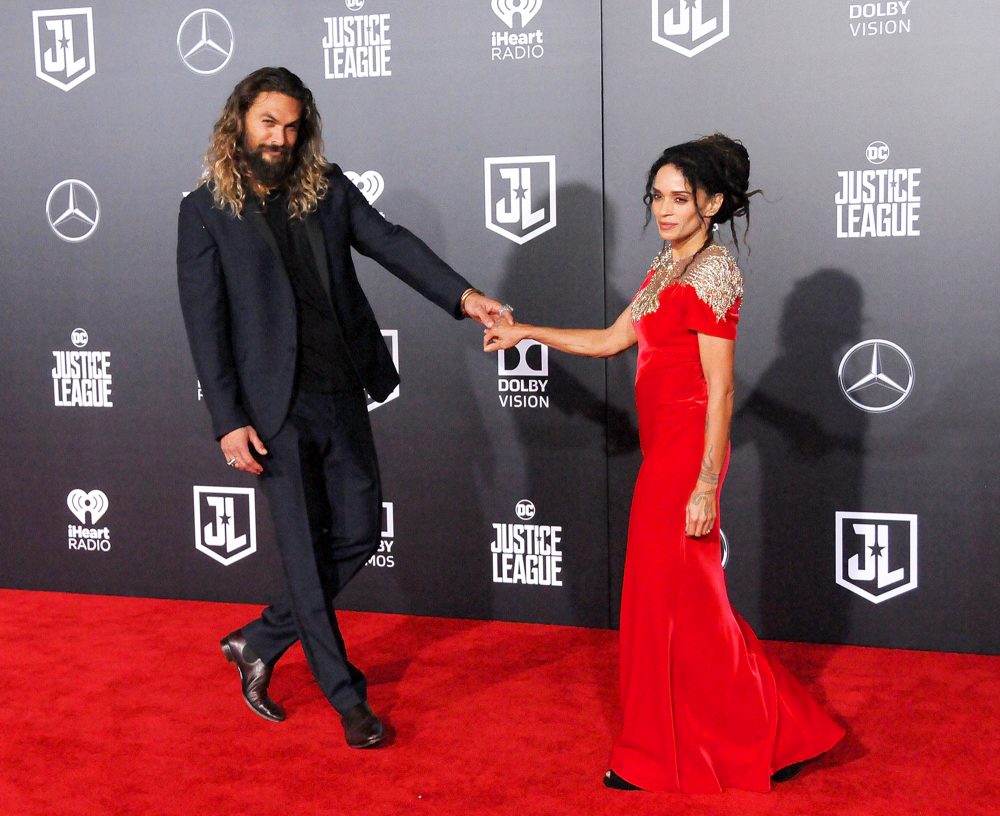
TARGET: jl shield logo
(525,9)
(73,210)
(225,523)
(876,376)
(520,196)
(370,183)
(877,554)
(81,503)
(64,46)
(205,41)
(690,26)
(391,337)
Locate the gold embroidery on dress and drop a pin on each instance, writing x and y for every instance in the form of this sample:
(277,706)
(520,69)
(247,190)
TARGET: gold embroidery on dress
(715,278)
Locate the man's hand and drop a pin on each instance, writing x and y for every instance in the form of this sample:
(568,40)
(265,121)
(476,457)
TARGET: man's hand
(236,446)
(487,310)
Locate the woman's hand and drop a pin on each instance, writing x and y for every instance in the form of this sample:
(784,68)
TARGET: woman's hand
(501,336)
(701,510)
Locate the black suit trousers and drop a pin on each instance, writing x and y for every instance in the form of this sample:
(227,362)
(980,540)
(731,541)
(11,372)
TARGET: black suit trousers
(322,483)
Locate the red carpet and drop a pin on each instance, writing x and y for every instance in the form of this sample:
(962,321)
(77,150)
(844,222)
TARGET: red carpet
(126,706)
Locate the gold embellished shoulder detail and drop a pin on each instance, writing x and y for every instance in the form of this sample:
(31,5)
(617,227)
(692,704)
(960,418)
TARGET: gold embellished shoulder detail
(714,276)
(663,272)
(716,280)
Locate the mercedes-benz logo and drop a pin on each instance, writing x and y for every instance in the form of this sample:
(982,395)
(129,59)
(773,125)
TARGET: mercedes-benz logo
(876,375)
(72,210)
(205,41)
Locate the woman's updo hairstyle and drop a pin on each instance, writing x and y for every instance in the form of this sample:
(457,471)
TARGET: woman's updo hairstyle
(712,164)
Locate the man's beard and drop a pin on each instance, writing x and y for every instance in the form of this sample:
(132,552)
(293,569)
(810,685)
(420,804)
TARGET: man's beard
(270,172)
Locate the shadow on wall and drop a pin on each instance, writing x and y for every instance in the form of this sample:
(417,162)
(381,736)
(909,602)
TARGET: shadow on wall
(811,446)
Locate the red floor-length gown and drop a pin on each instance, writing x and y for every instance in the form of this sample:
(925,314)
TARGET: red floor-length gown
(704,708)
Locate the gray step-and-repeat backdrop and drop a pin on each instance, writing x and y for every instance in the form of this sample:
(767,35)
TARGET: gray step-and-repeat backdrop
(514,136)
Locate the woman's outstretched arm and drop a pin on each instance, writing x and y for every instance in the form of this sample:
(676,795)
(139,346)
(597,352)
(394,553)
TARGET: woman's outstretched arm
(608,342)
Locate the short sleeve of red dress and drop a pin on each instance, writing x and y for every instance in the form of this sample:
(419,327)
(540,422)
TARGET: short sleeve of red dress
(715,294)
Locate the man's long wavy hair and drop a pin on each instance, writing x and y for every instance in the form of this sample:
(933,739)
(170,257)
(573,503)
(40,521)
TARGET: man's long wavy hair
(226,172)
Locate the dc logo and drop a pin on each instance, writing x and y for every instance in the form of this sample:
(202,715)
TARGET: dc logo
(79,337)
(520,196)
(388,520)
(690,26)
(877,554)
(73,210)
(391,337)
(525,9)
(225,523)
(529,358)
(94,503)
(724,543)
(354,5)
(64,46)
(370,183)
(877,152)
(876,376)
(525,510)
(205,41)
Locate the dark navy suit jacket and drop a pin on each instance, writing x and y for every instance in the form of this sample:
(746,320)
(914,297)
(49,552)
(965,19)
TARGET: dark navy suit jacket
(240,310)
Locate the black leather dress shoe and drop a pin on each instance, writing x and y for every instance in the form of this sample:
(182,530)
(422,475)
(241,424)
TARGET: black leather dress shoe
(254,675)
(362,729)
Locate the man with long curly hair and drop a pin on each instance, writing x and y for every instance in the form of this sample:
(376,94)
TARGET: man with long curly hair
(285,345)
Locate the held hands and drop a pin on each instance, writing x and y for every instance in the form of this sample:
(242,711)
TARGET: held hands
(236,448)
(501,336)
(487,311)
(701,511)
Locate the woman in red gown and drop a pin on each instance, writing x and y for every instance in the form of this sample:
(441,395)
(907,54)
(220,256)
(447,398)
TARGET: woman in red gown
(704,708)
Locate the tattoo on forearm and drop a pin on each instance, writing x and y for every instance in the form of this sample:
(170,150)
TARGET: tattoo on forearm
(707,474)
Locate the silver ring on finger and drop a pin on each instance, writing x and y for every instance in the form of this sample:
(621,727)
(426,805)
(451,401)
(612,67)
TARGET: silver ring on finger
(505,308)
(232,462)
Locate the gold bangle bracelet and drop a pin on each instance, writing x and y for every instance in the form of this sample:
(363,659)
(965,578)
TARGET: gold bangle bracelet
(465,296)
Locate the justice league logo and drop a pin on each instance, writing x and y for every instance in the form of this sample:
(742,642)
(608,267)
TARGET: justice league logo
(81,379)
(688,27)
(64,46)
(526,553)
(225,523)
(877,554)
(520,196)
(878,202)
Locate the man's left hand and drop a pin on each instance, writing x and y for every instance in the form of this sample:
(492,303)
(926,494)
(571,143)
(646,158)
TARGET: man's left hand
(487,310)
